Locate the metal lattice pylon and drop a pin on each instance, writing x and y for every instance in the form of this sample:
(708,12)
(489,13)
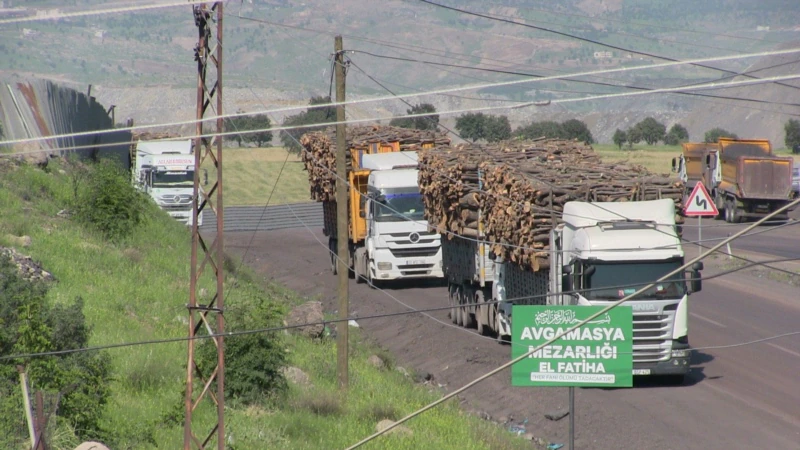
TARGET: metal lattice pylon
(207,318)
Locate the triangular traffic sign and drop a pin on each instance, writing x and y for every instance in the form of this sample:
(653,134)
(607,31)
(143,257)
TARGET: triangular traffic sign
(700,203)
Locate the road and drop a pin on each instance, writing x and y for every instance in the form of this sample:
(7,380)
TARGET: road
(775,240)
(745,397)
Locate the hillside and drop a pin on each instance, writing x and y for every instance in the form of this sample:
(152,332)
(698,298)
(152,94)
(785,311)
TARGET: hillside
(135,289)
(277,54)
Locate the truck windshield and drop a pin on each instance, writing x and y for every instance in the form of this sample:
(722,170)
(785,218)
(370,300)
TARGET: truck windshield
(173,179)
(606,281)
(399,206)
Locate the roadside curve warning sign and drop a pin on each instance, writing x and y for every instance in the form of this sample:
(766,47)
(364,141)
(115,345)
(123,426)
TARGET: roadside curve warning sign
(600,353)
(700,203)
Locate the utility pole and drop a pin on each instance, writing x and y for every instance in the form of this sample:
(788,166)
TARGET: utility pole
(343,253)
(208,55)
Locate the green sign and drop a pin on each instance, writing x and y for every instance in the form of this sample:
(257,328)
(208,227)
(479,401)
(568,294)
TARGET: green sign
(600,353)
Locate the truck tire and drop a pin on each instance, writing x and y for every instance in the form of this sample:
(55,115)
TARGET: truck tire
(453,302)
(359,263)
(467,297)
(720,203)
(481,313)
(332,246)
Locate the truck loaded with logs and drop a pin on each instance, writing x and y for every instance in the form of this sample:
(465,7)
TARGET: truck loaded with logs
(745,178)
(388,237)
(545,222)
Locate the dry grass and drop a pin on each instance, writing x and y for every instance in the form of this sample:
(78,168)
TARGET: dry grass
(657,159)
(250,175)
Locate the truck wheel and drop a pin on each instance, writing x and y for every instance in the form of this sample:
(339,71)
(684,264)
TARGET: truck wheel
(360,257)
(332,251)
(452,300)
(481,313)
(468,297)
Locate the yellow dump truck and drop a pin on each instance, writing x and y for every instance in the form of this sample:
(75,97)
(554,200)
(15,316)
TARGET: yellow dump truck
(744,176)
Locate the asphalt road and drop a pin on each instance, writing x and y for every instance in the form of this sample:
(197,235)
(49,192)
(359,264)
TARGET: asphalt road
(774,239)
(743,397)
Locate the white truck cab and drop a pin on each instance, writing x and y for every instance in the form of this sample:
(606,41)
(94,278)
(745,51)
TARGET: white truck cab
(164,170)
(603,252)
(398,244)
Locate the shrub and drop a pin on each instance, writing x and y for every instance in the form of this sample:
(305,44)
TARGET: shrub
(110,203)
(253,362)
(31,325)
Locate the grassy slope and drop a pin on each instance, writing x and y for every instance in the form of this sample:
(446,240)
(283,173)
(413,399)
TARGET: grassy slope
(137,291)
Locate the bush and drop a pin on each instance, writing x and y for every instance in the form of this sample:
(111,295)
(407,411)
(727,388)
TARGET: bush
(714,134)
(110,203)
(253,362)
(31,325)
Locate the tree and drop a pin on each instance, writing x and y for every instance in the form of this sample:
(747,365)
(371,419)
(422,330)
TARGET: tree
(677,134)
(418,123)
(576,129)
(634,135)
(476,126)
(620,137)
(650,130)
(313,117)
(497,128)
(248,123)
(792,128)
(535,130)
(714,134)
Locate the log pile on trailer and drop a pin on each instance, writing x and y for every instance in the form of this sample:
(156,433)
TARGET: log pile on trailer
(521,191)
(319,151)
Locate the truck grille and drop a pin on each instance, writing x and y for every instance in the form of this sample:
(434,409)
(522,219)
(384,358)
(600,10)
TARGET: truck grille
(423,252)
(652,337)
(415,269)
(170,199)
(405,238)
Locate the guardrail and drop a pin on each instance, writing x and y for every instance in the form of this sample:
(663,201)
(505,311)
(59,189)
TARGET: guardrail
(258,218)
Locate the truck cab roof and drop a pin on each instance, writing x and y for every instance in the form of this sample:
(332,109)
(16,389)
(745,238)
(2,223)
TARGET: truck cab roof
(610,230)
(183,147)
(389,161)
(393,179)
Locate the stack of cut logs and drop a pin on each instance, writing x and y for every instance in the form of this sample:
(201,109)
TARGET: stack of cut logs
(319,151)
(517,191)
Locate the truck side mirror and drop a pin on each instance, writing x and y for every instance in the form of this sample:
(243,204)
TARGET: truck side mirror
(697,282)
(362,213)
(566,279)
(589,271)
(698,266)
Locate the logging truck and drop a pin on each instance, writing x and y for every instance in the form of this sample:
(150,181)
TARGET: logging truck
(745,178)
(164,170)
(388,237)
(599,253)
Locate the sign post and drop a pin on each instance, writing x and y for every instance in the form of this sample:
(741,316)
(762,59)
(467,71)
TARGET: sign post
(598,354)
(700,204)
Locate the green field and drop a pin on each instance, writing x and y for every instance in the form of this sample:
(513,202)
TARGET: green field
(250,174)
(137,290)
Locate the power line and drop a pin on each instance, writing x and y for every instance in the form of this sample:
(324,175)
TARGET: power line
(333,321)
(474,87)
(599,83)
(568,330)
(592,41)
(99,12)
(644,24)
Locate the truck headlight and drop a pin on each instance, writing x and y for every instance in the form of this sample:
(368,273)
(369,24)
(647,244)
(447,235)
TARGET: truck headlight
(384,266)
(681,353)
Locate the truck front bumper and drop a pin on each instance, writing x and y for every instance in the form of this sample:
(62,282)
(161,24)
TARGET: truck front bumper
(678,364)
(384,266)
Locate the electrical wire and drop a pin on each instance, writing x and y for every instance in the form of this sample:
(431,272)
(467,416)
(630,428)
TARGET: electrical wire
(566,331)
(591,41)
(475,87)
(99,12)
(354,318)
(599,83)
